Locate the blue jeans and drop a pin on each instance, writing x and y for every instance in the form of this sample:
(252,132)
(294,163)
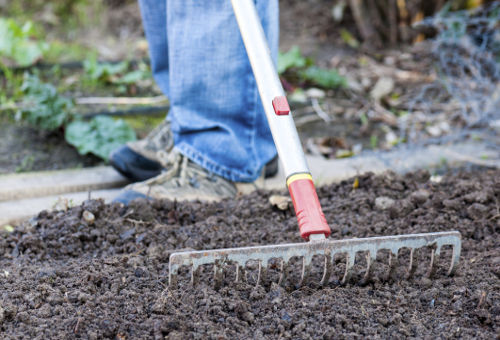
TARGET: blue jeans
(200,63)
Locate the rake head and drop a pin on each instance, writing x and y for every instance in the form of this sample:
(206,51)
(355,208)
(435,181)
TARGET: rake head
(318,245)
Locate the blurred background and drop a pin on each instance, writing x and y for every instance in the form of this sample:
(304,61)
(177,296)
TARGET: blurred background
(362,76)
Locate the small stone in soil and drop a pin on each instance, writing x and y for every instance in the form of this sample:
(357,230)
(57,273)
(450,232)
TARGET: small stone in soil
(384,202)
(88,217)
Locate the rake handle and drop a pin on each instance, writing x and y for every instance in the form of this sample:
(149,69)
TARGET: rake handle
(307,207)
(299,181)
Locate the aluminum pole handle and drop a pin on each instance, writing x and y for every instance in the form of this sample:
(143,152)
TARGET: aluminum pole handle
(299,181)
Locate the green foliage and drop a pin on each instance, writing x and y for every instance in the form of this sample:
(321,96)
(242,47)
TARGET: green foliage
(103,72)
(348,38)
(143,124)
(61,51)
(110,73)
(98,136)
(131,77)
(293,65)
(17,45)
(43,106)
(364,119)
(26,164)
(10,88)
(292,59)
(324,78)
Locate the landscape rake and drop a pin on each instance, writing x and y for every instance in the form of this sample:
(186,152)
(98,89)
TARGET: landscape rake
(312,223)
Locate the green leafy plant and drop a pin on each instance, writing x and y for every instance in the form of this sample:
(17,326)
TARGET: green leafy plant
(43,106)
(103,72)
(132,77)
(324,78)
(17,43)
(98,136)
(292,59)
(113,73)
(295,67)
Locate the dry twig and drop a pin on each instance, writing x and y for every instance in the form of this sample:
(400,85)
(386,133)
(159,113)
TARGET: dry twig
(319,111)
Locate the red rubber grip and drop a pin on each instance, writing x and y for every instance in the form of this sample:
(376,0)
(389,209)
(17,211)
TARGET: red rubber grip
(307,208)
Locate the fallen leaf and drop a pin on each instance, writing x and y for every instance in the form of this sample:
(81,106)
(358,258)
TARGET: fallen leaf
(342,153)
(8,228)
(355,185)
(382,88)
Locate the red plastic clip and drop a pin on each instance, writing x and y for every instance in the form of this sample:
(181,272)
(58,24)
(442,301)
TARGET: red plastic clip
(280,105)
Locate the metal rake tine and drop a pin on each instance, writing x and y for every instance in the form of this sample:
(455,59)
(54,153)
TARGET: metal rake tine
(393,259)
(348,267)
(369,266)
(284,272)
(218,274)
(261,276)
(306,269)
(412,266)
(195,275)
(172,278)
(454,260)
(432,265)
(327,269)
(240,273)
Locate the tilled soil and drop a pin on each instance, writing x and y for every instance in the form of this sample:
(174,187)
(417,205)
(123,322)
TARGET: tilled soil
(67,275)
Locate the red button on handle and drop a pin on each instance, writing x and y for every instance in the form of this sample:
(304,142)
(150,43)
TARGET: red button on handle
(280,105)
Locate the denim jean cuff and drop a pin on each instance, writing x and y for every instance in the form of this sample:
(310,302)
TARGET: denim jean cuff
(202,160)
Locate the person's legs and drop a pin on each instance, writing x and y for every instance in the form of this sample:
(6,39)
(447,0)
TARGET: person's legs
(217,119)
(139,160)
(154,22)
(216,114)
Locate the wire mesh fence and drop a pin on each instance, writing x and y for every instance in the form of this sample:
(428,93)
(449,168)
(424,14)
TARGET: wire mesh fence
(466,94)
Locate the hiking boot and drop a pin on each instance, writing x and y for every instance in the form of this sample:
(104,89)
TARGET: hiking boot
(184,180)
(143,159)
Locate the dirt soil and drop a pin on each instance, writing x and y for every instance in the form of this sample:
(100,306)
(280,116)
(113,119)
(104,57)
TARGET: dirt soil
(101,271)
(24,148)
